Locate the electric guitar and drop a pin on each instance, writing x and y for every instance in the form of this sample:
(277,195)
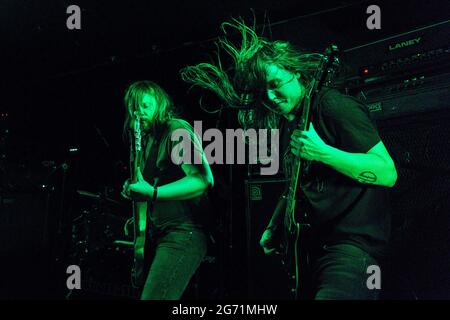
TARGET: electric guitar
(139,210)
(294,225)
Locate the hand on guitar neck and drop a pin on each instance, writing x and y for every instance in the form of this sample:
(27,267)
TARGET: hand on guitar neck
(308,145)
(140,190)
(126,190)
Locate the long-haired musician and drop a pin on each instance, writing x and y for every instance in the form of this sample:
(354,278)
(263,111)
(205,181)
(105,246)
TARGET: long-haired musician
(347,167)
(174,182)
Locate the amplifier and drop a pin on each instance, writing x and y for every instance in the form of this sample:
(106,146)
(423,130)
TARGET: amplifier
(266,277)
(425,50)
(407,97)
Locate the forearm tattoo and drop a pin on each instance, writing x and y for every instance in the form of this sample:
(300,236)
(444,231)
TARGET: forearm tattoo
(367,177)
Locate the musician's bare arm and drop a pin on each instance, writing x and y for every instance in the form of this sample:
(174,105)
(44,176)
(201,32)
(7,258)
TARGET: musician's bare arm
(268,238)
(374,167)
(278,215)
(193,185)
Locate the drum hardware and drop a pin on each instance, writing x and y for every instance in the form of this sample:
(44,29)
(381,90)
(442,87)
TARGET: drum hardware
(98,230)
(102,197)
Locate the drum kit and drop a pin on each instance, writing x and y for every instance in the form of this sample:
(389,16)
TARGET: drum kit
(102,231)
(102,246)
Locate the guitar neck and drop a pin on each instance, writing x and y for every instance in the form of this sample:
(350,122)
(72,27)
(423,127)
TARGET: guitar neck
(296,166)
(135,166)
(293,184)
(137,152)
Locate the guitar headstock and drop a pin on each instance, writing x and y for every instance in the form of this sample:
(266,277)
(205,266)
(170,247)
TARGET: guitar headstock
(328,66)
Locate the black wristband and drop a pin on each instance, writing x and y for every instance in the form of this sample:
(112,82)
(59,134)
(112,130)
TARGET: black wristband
(155,194)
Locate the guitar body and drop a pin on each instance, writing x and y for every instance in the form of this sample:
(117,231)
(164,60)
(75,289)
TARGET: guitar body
(293,248)
(290,258)
(140,229)
(295,225)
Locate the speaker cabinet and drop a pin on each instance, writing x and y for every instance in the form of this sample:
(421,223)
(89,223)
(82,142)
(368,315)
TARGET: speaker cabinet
(420,242)
(266,277)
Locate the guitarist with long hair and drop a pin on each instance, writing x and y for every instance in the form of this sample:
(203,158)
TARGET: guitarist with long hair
(342,184)
(170,184)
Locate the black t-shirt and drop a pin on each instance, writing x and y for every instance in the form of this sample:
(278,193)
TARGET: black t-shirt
(341,209)
(162,167)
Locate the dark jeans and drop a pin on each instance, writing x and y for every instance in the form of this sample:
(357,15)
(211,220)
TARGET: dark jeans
(177,256)
(340,273)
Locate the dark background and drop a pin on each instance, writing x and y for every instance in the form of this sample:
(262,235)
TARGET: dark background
(63,89)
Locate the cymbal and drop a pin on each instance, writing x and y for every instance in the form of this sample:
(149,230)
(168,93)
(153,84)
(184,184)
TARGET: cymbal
(96,196)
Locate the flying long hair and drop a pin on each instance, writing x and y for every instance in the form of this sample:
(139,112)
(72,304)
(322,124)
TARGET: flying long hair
(247,74)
